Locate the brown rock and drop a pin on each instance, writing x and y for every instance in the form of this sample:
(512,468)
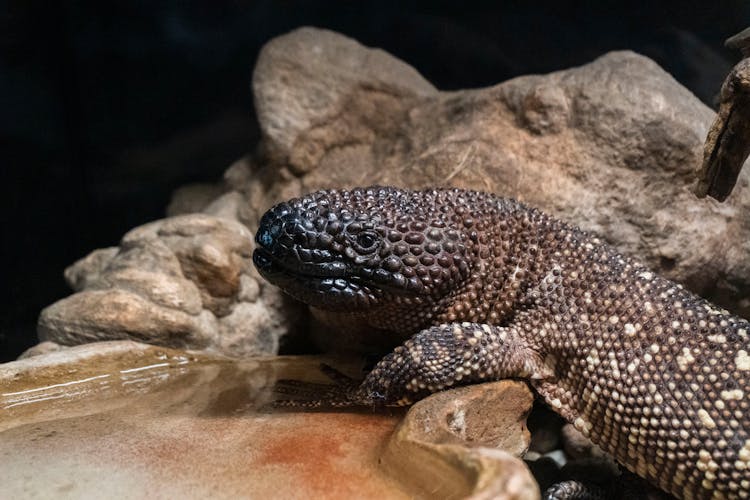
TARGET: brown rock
(41,348)
(192,198)
(89,268)
(227,206)
(478,428)
(492,414)
(117,314)
(317,69)
(185,281)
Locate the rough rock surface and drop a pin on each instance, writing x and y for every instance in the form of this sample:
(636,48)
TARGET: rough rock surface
(612,146)
(468,440)
(192,198)
(185,281)
(44,347)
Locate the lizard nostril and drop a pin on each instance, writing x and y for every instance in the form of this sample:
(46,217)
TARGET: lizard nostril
(264,238)
(267,233)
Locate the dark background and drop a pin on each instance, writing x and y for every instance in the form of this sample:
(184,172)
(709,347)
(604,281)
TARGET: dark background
(106,107)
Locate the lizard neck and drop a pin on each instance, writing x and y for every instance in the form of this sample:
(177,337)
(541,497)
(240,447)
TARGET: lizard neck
(512,251)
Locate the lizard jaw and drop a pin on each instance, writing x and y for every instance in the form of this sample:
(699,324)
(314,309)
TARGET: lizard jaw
(326,285)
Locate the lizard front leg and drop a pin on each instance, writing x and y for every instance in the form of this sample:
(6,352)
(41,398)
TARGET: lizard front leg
(443,356)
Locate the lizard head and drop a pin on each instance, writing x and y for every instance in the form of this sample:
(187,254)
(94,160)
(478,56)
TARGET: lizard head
(364,249)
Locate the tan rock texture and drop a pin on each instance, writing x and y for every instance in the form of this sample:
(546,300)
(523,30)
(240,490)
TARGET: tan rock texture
(612,146)
(466,443)
(186,281)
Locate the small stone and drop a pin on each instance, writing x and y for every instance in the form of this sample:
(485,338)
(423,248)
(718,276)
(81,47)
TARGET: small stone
(41,348)
(491,414)
(476,428)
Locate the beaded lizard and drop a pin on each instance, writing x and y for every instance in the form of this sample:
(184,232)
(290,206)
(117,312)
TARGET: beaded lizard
(483,288)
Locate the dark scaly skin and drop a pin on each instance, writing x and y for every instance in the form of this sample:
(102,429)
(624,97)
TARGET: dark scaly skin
(483,288)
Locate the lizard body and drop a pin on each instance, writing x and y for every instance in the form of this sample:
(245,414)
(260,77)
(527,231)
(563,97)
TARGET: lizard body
(482,288)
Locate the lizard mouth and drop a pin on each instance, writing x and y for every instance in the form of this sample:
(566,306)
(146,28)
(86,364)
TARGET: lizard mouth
(267,262)
(327,285)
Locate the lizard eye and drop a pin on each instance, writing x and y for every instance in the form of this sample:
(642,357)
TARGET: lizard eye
(367,240)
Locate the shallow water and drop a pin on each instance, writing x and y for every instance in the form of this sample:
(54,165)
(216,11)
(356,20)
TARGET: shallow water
(165,424)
